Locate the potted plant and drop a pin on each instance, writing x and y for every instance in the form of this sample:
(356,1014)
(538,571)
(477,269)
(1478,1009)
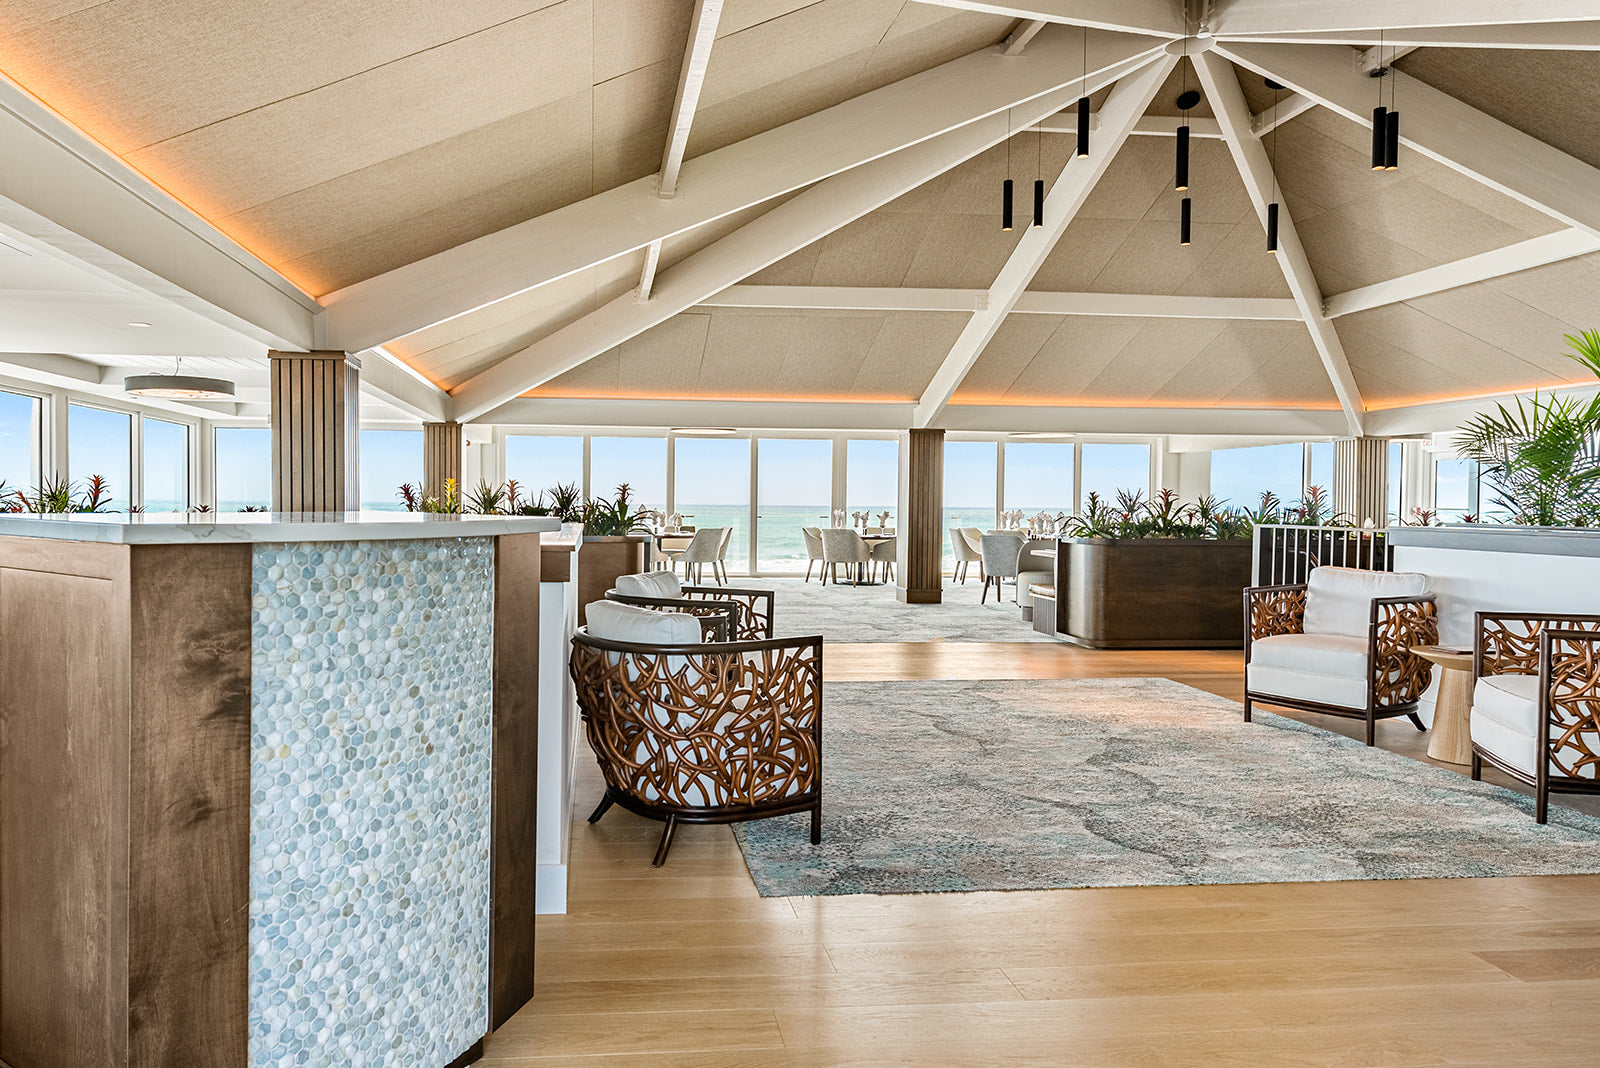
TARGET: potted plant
(1157,573)
(610,549)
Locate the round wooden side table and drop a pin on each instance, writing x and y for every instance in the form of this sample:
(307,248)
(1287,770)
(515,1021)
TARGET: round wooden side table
(1451,738)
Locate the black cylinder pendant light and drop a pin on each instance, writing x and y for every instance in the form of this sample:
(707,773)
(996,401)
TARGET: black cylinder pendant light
(1272,209)
(1005,205)
(1182,181)
(1272,227)
(1380,137)
(1083,102)
(1038,202)
(1183,222)
(1391,138)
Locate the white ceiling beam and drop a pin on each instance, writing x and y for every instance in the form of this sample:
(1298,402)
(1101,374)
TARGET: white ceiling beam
(67,192)
(647,273)
(1077,180)
(557,244)
(1020,37)
(1320,16)
(1160,18)
(691,79)
(1227,100)
(393,381)
(664,412)
(807,217)
(1566,36)
(1147,126)
(1378,56)
(1522,256)
(1440,127)
(1264,122)
(888,298)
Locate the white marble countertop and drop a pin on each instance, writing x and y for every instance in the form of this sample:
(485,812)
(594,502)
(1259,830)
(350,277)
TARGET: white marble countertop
(182,529)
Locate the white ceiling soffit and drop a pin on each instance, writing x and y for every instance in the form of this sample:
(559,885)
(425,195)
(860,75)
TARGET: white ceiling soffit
(61,189)
(770,164)
(1418,419)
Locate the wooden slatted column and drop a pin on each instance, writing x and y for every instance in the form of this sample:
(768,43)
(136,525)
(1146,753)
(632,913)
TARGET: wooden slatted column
(316,419)
(441,457)
(1361,479)
(919,574)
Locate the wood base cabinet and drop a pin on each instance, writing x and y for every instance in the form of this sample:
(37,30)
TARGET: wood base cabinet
(1151,593)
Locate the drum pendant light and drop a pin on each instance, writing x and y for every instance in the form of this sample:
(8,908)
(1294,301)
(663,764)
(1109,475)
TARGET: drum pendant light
(1083,102)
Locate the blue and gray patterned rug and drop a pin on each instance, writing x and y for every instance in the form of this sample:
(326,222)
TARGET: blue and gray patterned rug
(846,613)
(947,786)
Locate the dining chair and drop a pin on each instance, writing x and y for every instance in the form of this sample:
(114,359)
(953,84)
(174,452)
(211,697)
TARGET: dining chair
(885,553)
(843,547)
(719,566)
(1001,554)
(701,550)
(813,540)
(963,553)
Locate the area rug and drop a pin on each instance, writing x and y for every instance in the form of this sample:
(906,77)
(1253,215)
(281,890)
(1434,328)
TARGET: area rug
(872,614)
(947,786)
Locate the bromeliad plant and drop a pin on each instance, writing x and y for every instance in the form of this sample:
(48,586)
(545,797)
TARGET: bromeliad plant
(59,495)
(603,518)
(1166,516)
(1542,456)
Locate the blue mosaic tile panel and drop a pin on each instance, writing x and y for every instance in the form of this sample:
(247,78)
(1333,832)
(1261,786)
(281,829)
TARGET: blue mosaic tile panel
(371,671)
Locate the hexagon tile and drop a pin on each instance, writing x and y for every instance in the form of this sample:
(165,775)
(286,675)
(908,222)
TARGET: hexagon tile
(371,672)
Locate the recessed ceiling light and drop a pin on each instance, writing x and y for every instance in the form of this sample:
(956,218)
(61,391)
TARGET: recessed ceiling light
(178,387)
(705,431)
(139,324)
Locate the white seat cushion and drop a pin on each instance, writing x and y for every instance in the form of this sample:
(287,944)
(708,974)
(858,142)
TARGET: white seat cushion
(1330,669)
(618,622)
(1025,578)
(1339,599)
(1505,723)
(1512,700)
(650,584)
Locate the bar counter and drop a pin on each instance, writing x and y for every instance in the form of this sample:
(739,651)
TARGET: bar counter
(267,787)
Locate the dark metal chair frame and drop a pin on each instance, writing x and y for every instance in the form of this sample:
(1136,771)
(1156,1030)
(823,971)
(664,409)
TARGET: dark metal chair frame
(1566,657)
(748,715)
(753,609)
(1396,677)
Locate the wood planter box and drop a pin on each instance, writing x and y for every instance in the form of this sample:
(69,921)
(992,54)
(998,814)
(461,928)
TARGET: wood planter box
(602,559)
(1155,593)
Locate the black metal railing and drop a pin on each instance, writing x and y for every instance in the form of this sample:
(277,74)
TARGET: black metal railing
(1285,554)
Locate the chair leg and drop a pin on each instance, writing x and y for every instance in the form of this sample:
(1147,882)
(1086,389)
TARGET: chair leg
(1477,766)
(809,565)
(1247,709)
(666,842)
(816,824)
(1541,803)
(985,598)
(1414,718)
(1372,726)
(601,809)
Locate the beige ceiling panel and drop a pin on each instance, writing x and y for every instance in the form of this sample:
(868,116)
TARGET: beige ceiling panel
(631,115)
(1013,347)
(362,120)
(629,34)
(1358,255)
(1537,91)
(1081,254)
(795,269)
(926,199)
(1166,98)
(1076,353)
(1422,218)
(135,72)
(925,36)
(1245,363)
(1234,264)
(1426,357)
(875,250)
(662,361)
(963,251)
(397,211)
(1154,352)
(1320,171)
(904,356)
(1489,315)
(1139,175)
(21,15)
(1152,261)
(717,125)
(794,44)
(1564,291)
(824,360)
(1215,188)
(675,250)
(750,354)
(742,14)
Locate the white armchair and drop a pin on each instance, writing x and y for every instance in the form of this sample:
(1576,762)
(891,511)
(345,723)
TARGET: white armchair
(843,547)
(1340,644)
(1536,701)
(964,553)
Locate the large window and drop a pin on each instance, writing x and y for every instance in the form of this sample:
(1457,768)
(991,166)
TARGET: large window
(166,466)
(969,488)
(244,467)
(389,458)
(1039,477)
(1322,467)
(1241,476)
(640,462)
(101,443)
(19,441)
(712,489)
(871,481)
(537,463)
(1109,469)
(1397,472)
(1454,488)
(794,487)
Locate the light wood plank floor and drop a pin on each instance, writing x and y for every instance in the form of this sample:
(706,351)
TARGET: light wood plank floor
(687,965)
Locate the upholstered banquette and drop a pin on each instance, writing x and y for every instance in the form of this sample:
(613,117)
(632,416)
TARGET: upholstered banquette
(1340,643)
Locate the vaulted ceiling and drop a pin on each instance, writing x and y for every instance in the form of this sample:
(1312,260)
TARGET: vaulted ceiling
(472,186)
